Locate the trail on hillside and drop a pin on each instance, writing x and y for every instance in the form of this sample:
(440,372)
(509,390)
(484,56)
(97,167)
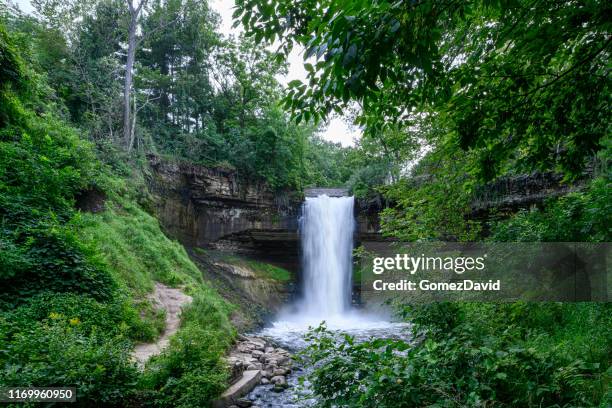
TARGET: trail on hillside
(171,300)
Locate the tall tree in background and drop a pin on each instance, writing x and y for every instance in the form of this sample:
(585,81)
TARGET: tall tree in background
(157,76)
(128,124)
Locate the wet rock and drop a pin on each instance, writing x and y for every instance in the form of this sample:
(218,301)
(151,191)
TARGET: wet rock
(279,371)
(244,403)
(254,366)
(255,356)
(279,380)
(282,359)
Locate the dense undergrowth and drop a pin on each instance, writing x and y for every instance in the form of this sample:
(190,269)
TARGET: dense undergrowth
(73,299)
(478,355)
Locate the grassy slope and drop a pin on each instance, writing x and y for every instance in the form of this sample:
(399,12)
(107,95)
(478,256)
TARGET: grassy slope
(138,253)
(131,243)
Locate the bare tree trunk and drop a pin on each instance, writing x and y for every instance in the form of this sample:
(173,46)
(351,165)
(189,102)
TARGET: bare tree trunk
(133,126)
(128,123)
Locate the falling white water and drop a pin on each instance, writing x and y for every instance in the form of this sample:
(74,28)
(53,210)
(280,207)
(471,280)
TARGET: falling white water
(326,231)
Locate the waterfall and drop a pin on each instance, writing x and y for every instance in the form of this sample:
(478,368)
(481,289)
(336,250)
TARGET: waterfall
(326,230)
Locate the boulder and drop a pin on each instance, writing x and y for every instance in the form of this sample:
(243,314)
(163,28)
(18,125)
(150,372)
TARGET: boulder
(244,403)
(279,371)
(278,380)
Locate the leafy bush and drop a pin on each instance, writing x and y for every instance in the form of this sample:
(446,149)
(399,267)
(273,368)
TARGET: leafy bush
(43,164)
(489,356)
(57,352)
(119,316)
(580,216)
(50,259)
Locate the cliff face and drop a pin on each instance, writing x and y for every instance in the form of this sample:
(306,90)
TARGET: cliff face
(199,205)
(510,194)
(213,208)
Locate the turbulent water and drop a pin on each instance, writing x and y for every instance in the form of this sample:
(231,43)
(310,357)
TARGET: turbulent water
(326,233)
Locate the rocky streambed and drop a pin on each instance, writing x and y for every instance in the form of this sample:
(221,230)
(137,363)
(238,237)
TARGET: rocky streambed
(265,374)
(255,361)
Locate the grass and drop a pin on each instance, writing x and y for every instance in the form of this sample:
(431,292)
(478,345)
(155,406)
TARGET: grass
(269,271)
(131,242)
(261,269)
(191,371)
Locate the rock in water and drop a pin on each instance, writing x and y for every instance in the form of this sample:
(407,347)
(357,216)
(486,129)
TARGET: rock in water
(244,403)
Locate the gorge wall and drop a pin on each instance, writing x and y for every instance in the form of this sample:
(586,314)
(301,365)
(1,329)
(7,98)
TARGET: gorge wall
(215,209)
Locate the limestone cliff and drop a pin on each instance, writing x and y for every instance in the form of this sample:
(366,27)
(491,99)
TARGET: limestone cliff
(215,208)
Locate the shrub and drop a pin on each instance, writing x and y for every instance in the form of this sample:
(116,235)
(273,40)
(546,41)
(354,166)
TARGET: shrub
(51,259)
(117,317)
(43,164)
(580,216)
(463,368)
(56,352)
(190,372)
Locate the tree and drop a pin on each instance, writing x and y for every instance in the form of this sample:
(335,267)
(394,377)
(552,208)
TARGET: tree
(523,84)
(128,123)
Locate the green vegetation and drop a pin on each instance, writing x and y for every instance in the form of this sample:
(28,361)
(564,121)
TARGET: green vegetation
(472,355)
(522,86)
(451,96)
(261,269)
(197,95)
(584,216)
(74,285)
(269,271)
(130,241)
(190,372)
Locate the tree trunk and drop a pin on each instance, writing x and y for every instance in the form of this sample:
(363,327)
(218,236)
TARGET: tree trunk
(133,126)
(127,87)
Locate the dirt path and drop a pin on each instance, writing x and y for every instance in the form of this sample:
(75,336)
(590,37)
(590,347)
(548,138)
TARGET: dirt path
(172,301)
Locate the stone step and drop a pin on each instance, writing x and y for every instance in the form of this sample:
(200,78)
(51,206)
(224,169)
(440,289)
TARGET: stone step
(240,388)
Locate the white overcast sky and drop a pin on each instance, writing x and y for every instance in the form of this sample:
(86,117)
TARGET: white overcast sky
(337,130)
